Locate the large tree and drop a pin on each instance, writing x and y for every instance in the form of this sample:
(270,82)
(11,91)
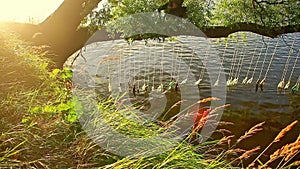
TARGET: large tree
(60,31)
(216,18)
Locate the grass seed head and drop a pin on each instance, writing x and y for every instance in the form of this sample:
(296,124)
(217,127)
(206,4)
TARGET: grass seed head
(284,131)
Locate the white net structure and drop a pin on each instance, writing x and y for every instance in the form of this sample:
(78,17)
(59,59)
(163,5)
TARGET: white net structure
(165,81)
(152,77)
(164,73)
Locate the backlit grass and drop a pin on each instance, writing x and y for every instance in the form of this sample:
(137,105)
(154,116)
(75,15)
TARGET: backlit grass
(39,125)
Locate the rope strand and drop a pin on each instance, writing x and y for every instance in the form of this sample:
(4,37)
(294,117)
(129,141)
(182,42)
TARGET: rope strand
(256,65)
(271,60)
(294,66)
(263,63)
(242,62)
(233,62)
(285,70)
(251,62)
(201,75)
(189,69)
(222,61)
(250,65)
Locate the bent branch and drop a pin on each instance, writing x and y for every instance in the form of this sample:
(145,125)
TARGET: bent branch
(224,31)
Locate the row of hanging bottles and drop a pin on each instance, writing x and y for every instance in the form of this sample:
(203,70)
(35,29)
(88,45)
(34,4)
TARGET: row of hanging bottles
(153,82)
(256,72)
(238,60)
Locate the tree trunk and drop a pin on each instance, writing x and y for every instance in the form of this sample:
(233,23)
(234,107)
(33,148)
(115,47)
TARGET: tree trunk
(60,30)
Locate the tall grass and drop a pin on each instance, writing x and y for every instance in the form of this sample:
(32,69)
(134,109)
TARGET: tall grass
(36,122)
(39,127)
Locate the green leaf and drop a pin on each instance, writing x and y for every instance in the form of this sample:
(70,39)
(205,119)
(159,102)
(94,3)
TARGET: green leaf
(72,116)
(63,107)
(54,73)
(25,120)
(36,109)
(49,109)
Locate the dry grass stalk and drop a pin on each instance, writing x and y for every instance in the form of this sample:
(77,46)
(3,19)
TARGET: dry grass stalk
(219,108)
(250,165)
(177,104)
(207,116)
(263,167)
(223,131)
(253,130)
(294,150)
(248,153)
(221,123)
(235,151)
(296,163)
(208,99)
(284,131)
(226,139)
(200,124)
(287,151)
(298,139)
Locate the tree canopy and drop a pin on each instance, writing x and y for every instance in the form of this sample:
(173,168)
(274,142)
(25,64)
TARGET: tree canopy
(216,18)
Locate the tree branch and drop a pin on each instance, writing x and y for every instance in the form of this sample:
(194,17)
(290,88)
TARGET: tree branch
(81,36)
(69,13)
(224,31)
(270,3)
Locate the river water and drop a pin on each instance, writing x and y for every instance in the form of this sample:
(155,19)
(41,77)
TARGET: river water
(143,71)
(157,63)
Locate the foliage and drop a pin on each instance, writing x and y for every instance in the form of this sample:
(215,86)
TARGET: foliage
(38,122)
(199,12)
(271,15)
(205,13)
